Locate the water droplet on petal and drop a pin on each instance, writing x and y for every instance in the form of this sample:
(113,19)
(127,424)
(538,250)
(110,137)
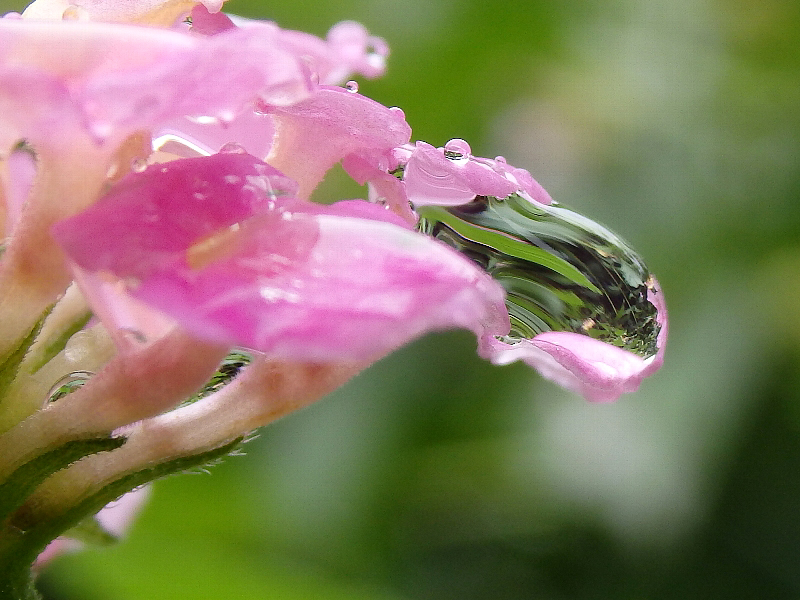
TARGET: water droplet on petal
(351,86)
(138,165)
(67,385)
(501,161)
(398,111)
(561,271)
(233,148)
(456,149)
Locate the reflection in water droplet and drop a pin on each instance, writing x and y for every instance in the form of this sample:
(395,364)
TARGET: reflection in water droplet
(457,148)
(351,86)
(67,385)
(561,271)
(138,165)
(227,371)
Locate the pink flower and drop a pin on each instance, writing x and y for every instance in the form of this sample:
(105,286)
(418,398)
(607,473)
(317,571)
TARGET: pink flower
(222,245)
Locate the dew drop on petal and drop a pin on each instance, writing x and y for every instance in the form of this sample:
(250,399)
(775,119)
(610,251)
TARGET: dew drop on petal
(138,165)
(457,148)
(398,111)
(351,86)
(233,148)
(67,384)
(561,271)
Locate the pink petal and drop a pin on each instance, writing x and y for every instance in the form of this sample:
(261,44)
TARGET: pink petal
(299,281)
(347,50)
(451,176)
(315,134)
(111,80)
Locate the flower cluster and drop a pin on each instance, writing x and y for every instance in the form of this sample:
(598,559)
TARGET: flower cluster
(158,161)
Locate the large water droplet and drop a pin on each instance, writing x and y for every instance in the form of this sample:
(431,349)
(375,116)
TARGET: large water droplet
(457,148)
(351,86)
(561,271)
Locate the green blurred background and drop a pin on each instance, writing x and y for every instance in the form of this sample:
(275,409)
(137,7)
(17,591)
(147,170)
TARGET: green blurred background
(436,476)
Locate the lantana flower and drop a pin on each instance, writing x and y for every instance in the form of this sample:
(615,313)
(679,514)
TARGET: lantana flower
(168,284)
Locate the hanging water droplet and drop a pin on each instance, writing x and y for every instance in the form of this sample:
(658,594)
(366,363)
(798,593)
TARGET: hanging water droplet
(351,86)
(456,149)
(233,148)
(67,385)
(561,271)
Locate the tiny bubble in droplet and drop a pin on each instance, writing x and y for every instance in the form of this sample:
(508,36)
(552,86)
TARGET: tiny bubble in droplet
(351,86)
(457,148)
(233,148)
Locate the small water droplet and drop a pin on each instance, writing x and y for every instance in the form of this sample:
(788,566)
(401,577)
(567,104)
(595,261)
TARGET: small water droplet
(351,86)
(233,148)
(456,149)
(67,385)
(138,165)
(398,111)
(500,160)
(561,271)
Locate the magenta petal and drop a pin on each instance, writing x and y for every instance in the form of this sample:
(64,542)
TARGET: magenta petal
(150,219)
(329,288)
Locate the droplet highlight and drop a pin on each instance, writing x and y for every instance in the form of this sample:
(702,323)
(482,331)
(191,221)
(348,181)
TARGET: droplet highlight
(457,148)
(561,271)
(67,384)
(351,86)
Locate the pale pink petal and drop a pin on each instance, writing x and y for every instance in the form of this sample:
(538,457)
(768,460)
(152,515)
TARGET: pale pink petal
(20,171)
(111,80)
(313,135)
(347,50)
(384,188)
(146,12)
